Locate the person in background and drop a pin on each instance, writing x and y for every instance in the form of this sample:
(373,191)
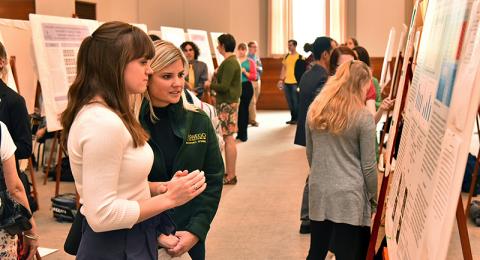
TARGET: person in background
(14,114)
(249,73)
(228,86)
(310,60)
(14,186)
(197,76)
(352,43)
(377,106)
(310,85)
(340,137)
(288,81)
(154,37)
(109,154)
(257,83)
(182,138)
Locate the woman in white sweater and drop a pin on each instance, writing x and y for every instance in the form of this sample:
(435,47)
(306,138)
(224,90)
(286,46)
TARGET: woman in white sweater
(9,179)
(340,138)
(109,155)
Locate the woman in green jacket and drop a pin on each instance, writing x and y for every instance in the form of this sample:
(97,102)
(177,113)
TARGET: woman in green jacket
(183,139)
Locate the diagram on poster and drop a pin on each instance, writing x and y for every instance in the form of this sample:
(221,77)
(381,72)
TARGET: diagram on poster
(56,46)
(433,149)
(173,34)
(17,39)
(200,38)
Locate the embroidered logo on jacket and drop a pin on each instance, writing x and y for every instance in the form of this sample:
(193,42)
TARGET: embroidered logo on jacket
(196,138)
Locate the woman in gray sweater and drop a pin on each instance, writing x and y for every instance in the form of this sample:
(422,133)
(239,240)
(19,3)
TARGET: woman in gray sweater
(340,135)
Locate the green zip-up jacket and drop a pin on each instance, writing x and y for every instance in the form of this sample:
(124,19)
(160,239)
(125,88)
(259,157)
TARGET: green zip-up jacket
(228,84)
(199,150)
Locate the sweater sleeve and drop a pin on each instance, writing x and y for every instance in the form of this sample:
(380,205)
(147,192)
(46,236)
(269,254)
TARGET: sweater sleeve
(223,84)
(20,128)
(309,143)
(367,156)
(103,140)
(207,202)
(202,77)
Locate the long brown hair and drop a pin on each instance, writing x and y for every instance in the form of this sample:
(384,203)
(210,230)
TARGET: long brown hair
(101,63)
(340,99)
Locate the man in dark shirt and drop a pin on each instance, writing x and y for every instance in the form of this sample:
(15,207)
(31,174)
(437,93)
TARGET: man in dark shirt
(310,85)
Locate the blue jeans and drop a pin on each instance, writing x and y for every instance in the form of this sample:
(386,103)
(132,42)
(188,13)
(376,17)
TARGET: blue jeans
(291,95)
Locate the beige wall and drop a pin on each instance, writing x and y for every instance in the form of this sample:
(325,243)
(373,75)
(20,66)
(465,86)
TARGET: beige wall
(107,10)
(374,20)
(211,16)
(55,7)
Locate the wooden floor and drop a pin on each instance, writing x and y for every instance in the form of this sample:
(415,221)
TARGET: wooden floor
(259,217)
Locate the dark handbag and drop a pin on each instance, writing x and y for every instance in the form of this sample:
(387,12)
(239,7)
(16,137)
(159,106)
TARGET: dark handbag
(14,217)
(72,242)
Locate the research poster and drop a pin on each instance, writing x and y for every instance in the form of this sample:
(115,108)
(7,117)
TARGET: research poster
(17,39)
(214,36)
(57,40)
(441,107)
(173,35)
(385,74)
(200,38)
(8,79)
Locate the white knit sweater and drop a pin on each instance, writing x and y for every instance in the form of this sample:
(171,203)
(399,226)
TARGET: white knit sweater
(110,175)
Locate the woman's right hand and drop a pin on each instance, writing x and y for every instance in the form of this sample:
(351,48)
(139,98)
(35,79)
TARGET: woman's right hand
(182,188)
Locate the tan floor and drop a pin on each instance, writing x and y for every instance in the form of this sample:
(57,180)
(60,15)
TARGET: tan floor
(259,217)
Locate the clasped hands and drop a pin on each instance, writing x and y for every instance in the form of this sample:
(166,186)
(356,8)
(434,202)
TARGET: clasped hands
(178,244)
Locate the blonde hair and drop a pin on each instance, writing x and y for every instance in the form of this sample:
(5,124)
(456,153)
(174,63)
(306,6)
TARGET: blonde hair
(340,99)
(165,55)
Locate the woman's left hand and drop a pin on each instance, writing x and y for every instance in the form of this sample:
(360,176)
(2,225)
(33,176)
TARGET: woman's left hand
(30,243)
(186,241)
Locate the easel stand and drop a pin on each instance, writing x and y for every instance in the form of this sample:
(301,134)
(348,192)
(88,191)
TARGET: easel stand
(475,170)
(386,178)
(58,168)
(34,194)
(460,214)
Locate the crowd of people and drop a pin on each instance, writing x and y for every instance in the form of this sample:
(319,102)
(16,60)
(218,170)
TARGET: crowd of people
(159,183)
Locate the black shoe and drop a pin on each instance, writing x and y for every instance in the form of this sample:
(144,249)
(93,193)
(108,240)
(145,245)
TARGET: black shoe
(304,229)
(291,122)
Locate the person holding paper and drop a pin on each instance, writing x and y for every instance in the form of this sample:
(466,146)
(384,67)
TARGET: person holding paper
(340,138)
(227,84)
(197,76)
(182,138)
(109,154)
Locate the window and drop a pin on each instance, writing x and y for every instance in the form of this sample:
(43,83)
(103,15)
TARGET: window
(301,20)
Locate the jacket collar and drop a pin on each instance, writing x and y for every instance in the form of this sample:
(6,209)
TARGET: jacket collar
(176,113)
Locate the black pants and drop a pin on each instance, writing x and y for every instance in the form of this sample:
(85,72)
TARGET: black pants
(349,242)
(245,98)
(197,252)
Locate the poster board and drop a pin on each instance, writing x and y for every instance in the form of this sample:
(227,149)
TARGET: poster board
(218,56)
(10,81)
(439,115)
(385,76)
(173,34)
(200,38)
(407,53)
(17,39)
(57,40)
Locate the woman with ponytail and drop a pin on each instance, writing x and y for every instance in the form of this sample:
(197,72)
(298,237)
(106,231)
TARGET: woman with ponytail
(340,135)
